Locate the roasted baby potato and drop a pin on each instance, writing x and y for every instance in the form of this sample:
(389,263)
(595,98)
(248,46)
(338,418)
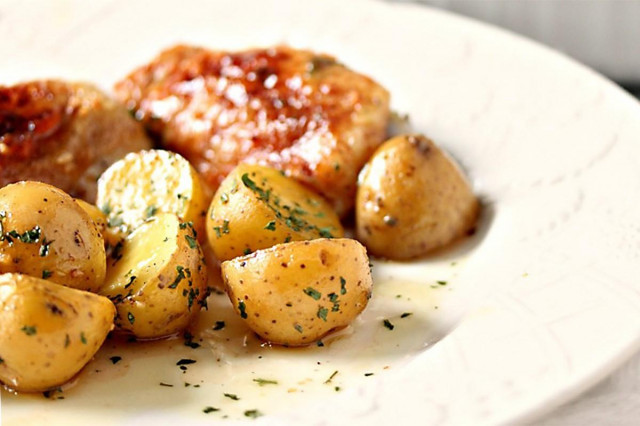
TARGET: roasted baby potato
(145,183)
(46,234)
(48,332)
(293,294)
(257,207)
(412,199)
(157,279)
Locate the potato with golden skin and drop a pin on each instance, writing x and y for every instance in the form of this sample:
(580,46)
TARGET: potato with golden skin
(294,294)
(412,199)
(48,332)
(157,279)
(46,234)
(146,183)
(257,207)
(110,236)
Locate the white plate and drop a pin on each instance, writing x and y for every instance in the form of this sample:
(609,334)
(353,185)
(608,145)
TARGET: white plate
(545,298)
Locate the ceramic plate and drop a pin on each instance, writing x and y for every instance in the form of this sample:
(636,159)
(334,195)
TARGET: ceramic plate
(539,305)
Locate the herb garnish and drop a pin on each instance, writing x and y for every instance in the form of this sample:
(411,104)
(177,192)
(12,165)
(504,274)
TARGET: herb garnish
(115,359)
(388,324)
(219,325)
(29,330)
(313,293)
(243,309)
(208,410)
(252,414)
(186,361)
(232,396)
(263,382)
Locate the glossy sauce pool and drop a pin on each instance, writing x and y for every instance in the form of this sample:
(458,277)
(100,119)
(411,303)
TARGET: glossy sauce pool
(237,376)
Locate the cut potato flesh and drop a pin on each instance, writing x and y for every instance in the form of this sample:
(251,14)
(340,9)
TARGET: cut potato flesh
(157,279)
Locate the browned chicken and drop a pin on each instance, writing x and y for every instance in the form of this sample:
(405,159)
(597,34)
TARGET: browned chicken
(63,134)
(294,110)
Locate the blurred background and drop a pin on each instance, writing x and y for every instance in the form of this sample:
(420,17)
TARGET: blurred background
(604,34)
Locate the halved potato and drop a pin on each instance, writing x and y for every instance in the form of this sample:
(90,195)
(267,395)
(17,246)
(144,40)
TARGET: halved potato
(157,279)
(293,294)
(257,207)
(46,234)
(146,183)
(412,199)
(48,332)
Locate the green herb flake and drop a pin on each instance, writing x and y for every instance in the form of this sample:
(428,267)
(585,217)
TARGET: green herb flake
(271,226)
(29,330)
(247,251)
(313,293)
(343,284)
(368,374)
(67,341)
(326,382)
(114,221)
(406,314)
(208,410)
(225,226)
(179,277)
(191,241)
(151,211)
(442,282)
(186,361)
(115,359)
(243,309)
(325,232)
(322,313)
(131,318)
(83,339)
(253,414)
(232,396)
(263,382)
(166,385)
(217,231)
(388,324)
(46,274)
(224,198)
(132,278)
(219,325)
(298,328)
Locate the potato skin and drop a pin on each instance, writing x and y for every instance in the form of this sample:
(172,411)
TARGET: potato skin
(46,234)
(146,183)
(412,199)
(158,280)
(257,207)
(293,294)
(48,332)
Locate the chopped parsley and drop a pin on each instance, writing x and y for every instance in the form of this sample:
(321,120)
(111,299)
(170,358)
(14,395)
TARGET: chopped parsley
(208,410)
(166,385)
(83,339)
(131,318)
(46,274)
(191,241)
(326,382)
(219,325)
(115,359)
(271,226)
(29,330)
(179,277)
(298,328)
(150,211)
(252,414)
(232,396)
(263,382)
(322,313)
(343,284)
(388,324)
(442,282)
(186,361)
(313,293)
(406,314)
(243,309)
